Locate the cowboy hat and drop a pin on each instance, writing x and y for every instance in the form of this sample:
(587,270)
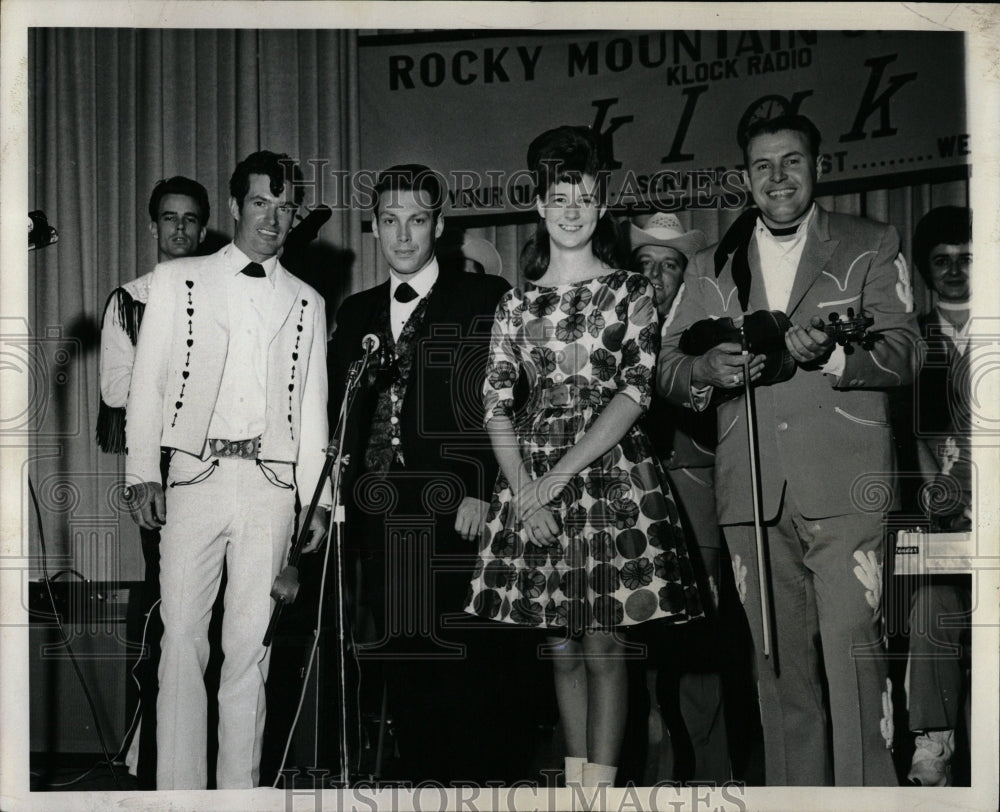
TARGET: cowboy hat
(483,252)
(666,230)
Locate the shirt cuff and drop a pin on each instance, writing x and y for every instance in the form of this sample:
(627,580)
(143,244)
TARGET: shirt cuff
(835,363)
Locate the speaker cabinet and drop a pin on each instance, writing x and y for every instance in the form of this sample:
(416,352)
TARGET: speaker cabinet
(93,619)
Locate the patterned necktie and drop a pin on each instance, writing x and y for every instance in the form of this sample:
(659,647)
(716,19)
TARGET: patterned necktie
(254,269)
(404,293)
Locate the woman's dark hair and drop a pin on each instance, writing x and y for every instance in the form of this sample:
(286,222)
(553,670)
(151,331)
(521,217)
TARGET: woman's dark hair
(945,225)
(564,155)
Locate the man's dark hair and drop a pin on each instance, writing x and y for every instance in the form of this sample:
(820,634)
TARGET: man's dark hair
(415,178)
(278,167)
(945,225)
(770,126)
(179,185)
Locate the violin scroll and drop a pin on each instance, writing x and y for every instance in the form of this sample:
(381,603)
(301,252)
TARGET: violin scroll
(853,330)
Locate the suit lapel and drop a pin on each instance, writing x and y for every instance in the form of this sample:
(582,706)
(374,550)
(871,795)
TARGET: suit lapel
(286,288)
(816,254)
(437,304)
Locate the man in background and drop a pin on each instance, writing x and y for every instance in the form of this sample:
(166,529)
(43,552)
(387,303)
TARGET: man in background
(178,214)
(688,660)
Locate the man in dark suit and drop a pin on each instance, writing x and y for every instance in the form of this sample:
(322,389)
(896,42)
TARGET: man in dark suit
(419,481)
(825,452)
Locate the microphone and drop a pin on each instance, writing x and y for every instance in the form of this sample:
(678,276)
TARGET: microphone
(40,233)
(370,343)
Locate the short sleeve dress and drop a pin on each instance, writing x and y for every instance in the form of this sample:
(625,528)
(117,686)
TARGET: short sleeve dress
(620,558)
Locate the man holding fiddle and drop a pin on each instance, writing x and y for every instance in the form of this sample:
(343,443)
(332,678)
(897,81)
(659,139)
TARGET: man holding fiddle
(824,453)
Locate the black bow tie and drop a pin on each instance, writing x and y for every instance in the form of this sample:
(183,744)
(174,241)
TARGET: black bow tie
(254,269)
(404,293)
(781,232)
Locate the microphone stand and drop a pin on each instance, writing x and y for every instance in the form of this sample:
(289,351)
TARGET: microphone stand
(765,600)
(286,584)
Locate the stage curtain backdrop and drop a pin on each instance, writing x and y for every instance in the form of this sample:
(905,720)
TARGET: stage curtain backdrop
(111,111)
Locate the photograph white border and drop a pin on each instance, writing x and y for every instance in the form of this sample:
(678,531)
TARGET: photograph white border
(980,22)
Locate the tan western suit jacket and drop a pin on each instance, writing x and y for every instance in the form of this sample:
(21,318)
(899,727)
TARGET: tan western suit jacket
(827,437)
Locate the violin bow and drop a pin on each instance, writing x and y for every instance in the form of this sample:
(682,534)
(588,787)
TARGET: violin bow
(765,599)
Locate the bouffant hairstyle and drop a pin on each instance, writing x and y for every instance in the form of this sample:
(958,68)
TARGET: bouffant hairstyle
(564,155)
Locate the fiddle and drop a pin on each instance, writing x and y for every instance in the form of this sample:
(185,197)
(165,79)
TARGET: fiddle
(763,333)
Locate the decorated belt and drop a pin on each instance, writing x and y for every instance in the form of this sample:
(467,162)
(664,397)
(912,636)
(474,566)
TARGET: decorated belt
(244,449)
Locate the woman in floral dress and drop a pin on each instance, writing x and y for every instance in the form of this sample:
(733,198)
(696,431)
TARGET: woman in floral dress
(582,536)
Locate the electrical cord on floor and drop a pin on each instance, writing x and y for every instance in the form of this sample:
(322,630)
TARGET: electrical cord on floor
(69,648)
(136,715)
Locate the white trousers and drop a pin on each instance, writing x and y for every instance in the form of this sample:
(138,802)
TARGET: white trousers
(233,511)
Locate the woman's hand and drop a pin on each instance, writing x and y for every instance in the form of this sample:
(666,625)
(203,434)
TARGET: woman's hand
(536,494)
(530,503)
(542,527)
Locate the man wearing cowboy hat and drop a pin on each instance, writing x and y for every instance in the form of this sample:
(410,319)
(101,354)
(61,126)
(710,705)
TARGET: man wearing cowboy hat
(461,251)
(688,665)
(661,250)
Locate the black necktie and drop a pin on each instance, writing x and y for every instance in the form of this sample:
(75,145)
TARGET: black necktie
(404,293)
(254,269)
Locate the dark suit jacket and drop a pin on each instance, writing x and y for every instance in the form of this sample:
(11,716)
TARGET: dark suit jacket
(828,438)
(441,422)
(942,405)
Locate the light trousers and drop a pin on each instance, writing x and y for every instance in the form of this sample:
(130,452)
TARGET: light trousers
(230,510)
(826,591)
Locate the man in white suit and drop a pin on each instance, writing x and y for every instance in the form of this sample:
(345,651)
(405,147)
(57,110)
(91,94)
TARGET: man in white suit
(230,375)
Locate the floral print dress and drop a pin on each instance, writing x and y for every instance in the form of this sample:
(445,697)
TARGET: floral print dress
(620,558)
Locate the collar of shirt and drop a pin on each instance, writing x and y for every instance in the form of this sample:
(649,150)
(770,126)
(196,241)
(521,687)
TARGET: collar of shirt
(959,336)
(779,260)
(421,281)
(237,261)
(779,246)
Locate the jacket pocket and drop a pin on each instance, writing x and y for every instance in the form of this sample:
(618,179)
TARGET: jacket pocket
(863,421)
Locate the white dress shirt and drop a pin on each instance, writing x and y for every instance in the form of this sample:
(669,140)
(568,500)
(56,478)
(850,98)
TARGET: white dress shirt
(779,262)
(959,336)
(421,282)
(240,409)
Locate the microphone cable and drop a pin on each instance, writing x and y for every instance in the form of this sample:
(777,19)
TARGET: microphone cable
(345,407)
